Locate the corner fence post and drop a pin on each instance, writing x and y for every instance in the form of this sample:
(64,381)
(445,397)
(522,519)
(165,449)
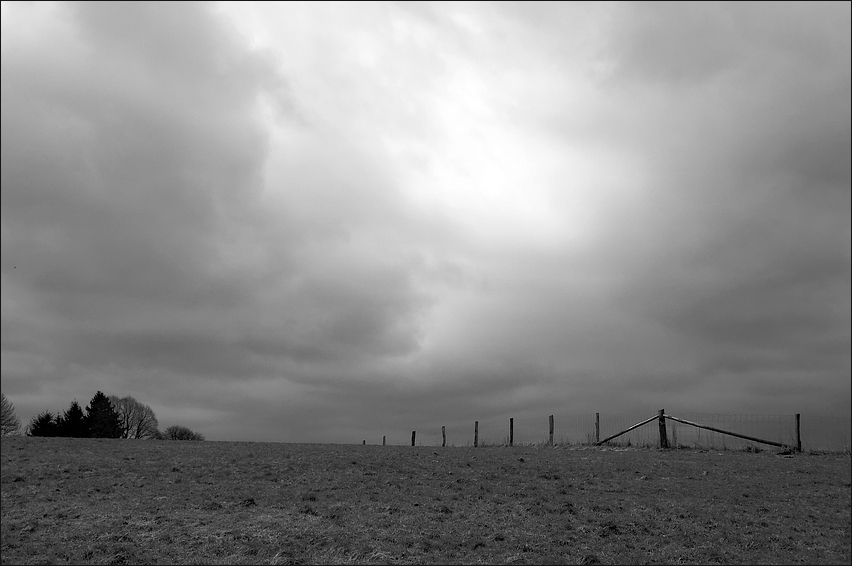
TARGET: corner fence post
(798,432)
(664,441)
(597,428)
(476,434)
(511,431)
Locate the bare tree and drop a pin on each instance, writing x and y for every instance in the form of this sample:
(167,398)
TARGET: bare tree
(178,432)
(10,423)
(137,419)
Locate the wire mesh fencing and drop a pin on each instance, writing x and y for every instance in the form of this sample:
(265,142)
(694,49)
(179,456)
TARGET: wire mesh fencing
(817,433)
(829,434)
(776,428)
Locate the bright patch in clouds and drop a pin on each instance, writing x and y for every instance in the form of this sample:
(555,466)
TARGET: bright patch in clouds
(323,221)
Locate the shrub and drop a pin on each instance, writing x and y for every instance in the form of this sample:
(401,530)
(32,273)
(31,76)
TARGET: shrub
(177,432)
(44,424)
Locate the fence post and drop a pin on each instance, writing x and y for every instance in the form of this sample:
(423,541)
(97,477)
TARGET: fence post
(383,440)
(798,433)
(443,436)
(364,442)
(550,440)
(511,431)
(413,432)
(476,434)
(664,441)
(597,428)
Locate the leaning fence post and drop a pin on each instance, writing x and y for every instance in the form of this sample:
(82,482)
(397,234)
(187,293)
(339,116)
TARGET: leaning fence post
(413,432)
(550,440)
(443,436)
(664,441)
(476,434)
(798,433)
(511,431)
(597,428)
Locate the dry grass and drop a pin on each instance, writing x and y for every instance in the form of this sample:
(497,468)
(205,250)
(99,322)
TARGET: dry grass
(78,501)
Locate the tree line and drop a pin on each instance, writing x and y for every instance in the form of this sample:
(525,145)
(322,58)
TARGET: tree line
(104,417)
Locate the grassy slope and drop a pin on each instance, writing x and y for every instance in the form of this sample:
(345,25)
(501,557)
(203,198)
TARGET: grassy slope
(104,501)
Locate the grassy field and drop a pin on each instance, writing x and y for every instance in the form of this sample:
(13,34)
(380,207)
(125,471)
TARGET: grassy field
(93,501)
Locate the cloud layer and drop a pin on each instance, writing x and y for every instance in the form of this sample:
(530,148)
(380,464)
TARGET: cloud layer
(317,222)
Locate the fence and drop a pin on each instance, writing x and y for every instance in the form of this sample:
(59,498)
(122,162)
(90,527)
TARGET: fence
(682,430)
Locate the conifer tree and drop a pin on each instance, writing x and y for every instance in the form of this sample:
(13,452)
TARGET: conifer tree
(43,424)
(101,419)
(10,423)
(73,423)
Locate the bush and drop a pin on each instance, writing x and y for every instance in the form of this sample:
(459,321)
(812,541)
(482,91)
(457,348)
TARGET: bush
(44,424)
(181,433)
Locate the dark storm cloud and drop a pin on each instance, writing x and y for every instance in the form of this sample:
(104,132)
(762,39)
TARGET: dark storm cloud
(135,224)
(120,170)
(123,167)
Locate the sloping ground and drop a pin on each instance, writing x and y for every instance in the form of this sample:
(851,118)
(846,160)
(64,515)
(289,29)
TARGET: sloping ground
(163,502)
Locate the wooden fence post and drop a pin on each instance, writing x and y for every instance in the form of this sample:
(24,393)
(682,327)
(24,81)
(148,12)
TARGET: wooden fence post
(384,438)
(443,436)
(551,431)
(511,431)
(664,441)
(476,434)
(413,432)
(798,433)
(597,428)
(364,442)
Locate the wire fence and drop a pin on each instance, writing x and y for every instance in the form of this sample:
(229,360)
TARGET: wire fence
(817,433)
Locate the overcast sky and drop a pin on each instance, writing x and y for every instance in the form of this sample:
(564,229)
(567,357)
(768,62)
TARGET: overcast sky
(321,222)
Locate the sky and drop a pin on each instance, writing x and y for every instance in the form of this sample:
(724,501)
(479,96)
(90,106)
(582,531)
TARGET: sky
(328,222)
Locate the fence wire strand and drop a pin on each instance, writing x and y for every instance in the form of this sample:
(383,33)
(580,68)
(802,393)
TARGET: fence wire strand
(818,433)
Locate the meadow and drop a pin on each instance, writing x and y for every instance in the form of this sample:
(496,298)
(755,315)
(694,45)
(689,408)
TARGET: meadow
(97,501)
